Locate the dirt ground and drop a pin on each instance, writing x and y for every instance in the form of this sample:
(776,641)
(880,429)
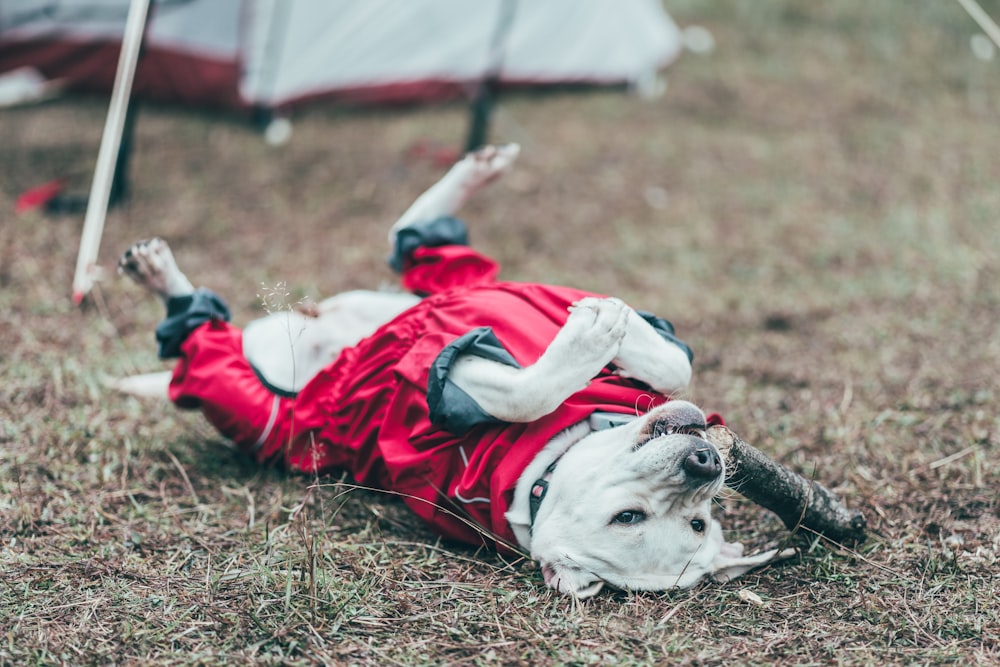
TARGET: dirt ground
(813,204)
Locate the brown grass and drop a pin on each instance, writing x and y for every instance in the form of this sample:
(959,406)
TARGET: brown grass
(827,243)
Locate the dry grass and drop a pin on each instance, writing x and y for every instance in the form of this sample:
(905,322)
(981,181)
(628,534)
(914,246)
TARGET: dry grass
(814,205)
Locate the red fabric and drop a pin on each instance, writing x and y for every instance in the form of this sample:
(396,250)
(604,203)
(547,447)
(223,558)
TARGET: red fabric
(163,74)
(213,375)
(39,196)
(431,270)
(367,411)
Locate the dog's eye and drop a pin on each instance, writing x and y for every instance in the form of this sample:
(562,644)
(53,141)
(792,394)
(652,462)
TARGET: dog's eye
(629,516)
(697,525)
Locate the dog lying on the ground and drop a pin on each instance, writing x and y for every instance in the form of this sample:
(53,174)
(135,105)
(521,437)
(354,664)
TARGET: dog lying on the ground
(538,417)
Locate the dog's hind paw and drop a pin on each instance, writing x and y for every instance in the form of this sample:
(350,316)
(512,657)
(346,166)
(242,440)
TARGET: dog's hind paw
(150,264)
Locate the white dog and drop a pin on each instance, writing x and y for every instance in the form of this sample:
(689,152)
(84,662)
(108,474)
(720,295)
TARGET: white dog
(538,416)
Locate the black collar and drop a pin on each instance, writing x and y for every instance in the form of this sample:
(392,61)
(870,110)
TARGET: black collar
(599,421)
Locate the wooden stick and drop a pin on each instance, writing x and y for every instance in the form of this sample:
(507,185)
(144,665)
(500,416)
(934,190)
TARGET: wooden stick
(796,500)
(104,171)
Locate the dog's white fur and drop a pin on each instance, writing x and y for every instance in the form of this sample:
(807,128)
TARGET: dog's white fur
(635,472)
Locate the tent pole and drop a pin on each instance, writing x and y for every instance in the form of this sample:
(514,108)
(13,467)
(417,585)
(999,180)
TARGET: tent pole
(119,182)
(480,111)
(489,86)
(100,190)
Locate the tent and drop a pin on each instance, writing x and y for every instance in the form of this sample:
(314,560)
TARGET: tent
(273,55)
(278,54)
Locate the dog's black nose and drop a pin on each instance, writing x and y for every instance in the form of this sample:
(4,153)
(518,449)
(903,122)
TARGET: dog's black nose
(703,464)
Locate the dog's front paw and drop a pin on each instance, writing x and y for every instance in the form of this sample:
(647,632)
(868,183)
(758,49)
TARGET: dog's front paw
(150,264)
(593,333)
(598,322)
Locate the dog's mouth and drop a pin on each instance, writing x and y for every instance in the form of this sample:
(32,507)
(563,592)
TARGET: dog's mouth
(676,417)
(661,427)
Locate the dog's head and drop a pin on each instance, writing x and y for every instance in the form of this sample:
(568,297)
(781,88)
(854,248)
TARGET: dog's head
(630,506)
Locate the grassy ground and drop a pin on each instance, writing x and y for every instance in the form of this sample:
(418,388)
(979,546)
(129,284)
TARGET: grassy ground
(814,205)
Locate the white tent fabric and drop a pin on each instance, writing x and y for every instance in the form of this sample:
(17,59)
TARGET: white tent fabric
(279,53)
(207,27)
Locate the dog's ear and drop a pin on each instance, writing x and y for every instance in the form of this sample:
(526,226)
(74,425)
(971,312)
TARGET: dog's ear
(730,562)
(572,581)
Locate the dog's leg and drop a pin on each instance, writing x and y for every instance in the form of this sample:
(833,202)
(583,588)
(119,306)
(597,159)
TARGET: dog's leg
(588,341)
(467,177)
(150,264)
(214,374)
(646,356)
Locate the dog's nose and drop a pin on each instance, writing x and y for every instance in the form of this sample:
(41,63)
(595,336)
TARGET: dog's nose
(703,464)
